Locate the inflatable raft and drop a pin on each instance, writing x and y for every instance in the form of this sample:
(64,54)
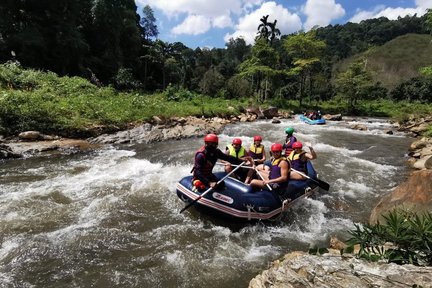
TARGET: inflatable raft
(240,201)
(312,122)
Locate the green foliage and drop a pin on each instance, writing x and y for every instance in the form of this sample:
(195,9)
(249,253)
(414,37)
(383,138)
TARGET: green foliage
(237,87)
(396,61)
(415,89)
(72,105)
(176,93)
(125,80)
(211,82)
(426,71)
(404,238)
(354,83)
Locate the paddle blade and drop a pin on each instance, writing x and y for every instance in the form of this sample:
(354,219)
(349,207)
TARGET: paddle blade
(190,204)
(324,185)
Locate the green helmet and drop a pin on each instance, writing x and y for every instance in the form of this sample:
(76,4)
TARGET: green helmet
(289,131)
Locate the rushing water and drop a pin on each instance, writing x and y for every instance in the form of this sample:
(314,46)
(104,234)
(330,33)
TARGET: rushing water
(111,218)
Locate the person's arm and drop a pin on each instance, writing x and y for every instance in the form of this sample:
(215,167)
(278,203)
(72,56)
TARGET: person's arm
(233,160)
(312,154)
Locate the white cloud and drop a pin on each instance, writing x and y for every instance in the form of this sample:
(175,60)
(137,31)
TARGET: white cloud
(321,12)
(209,8)
(200,15)
(425,4)
(193,25)
(392,13)
(222,22)
(247,26)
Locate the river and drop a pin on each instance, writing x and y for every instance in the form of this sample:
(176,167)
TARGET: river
(110,218)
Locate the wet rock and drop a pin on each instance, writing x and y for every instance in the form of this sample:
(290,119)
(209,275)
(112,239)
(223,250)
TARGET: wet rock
(420,164)
(6,152)
(30,135)
(415,193)
(276,120)
(43,148)
(299,269)
(335,117)
(173,129)
(428,163)
(254,110)
(420,128)
(360,127)
(270,113)
(419,144)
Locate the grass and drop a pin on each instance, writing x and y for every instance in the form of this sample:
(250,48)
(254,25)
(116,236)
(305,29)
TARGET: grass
(34,100)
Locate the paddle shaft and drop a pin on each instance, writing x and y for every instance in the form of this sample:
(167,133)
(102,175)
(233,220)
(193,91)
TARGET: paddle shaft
(320,183)
(211,188)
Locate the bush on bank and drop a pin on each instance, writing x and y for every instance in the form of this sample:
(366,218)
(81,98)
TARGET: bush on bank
(404,238)
(35,100)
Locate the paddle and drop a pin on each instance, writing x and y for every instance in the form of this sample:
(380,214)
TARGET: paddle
(249,167)
(324,185)
(211,188)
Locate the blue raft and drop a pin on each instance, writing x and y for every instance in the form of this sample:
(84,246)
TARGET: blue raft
(238,200)
(312,122)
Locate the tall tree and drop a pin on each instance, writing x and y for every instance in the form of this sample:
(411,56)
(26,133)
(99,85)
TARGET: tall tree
(306,51)
(261,68)
(268,30)
(148,23)
(114,37)
(354,82)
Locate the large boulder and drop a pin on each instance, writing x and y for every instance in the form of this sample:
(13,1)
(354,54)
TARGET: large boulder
(270,112)
(414,194)
(299,269)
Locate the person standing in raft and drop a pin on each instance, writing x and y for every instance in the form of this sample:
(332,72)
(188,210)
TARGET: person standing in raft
(289,140)
(299,158)
(278,176)
(235,149)
(205,160)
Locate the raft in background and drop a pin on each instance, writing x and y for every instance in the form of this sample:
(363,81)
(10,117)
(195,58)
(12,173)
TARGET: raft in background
(312,122)
(239,201)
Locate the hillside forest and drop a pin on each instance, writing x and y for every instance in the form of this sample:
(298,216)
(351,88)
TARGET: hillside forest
(111,44)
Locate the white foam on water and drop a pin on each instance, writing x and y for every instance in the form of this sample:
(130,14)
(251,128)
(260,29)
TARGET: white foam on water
(176,258)
(314,225)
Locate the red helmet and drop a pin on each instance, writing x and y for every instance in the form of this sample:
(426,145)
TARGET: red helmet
(276,147)
(297,145)
(257,138)
(237,141)
(213,138)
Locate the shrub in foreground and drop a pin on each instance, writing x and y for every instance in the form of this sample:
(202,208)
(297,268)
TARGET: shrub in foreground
(404,238)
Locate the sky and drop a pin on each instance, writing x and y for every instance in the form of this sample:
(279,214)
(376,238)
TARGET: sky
(211,23)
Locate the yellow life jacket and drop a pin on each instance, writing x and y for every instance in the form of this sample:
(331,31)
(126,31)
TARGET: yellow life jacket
(275,162)
(295,156)
(234,153)
(256,149)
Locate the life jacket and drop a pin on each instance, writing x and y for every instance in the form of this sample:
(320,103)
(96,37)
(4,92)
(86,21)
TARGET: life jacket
(288,147)
(256,152)
(296,162)
(208,167)
(275,172)
(234,153)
